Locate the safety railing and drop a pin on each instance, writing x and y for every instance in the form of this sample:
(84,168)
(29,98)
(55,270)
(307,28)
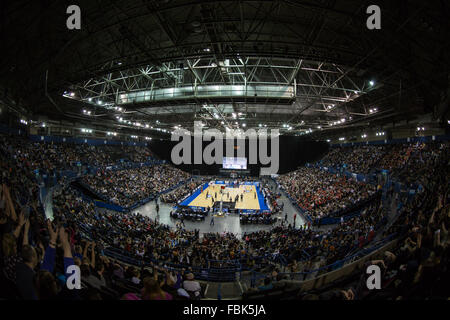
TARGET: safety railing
(253,277)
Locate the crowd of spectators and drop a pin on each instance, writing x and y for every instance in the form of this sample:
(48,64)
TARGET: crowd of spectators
(321,194)
(416,266)
(144,239)
(127,187)
(187,213)
(48,157)
(256,218)
(182,192)
(360,159)
(392,157)
(36,252)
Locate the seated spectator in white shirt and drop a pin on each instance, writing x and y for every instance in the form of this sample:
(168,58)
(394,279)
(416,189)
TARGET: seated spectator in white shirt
(191,286)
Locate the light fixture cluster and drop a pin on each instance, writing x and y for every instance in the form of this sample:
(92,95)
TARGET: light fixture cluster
(382,133)
(420,129)
(364,135)
(373,110)
(22,121)
(134,137)
(334,123)
(111,133)
(341,138)
(86,130)
(87,112)
(69,94)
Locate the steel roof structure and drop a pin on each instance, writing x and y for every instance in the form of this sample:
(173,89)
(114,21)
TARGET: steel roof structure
(305,67)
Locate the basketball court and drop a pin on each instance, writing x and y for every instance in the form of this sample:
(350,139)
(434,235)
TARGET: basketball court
(213,193)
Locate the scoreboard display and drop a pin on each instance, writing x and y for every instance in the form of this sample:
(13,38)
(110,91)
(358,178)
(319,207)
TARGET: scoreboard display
(234,163)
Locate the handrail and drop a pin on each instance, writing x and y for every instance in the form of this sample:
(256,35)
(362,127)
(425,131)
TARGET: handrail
(365,251)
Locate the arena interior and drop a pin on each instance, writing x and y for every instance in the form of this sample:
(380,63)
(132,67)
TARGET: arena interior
(94,206)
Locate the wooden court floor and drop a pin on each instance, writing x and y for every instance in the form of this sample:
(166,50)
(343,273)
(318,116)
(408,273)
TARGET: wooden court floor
(249,201)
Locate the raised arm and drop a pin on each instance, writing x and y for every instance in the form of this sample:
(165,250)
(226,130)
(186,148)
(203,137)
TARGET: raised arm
(93,255)
(21,222)
(85,249)
(50,253)
(68,258)
(10,204)
(25,232)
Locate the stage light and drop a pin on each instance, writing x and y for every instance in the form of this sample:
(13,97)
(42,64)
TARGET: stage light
(372,83)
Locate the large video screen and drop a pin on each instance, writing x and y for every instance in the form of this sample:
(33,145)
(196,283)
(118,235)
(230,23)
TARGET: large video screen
(234,163)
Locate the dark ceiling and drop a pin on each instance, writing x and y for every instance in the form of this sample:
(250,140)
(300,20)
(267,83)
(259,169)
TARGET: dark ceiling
(322,48)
